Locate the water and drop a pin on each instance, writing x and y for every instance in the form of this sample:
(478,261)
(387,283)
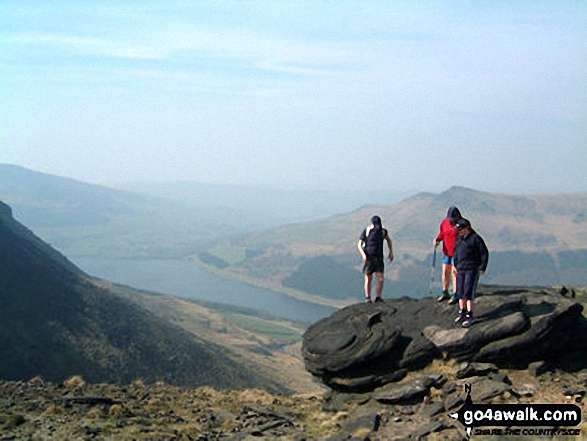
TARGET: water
(182,278)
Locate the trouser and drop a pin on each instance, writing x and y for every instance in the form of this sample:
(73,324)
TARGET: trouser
(467,284)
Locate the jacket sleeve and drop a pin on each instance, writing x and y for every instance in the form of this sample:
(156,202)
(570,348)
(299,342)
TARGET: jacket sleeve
(483,253)
(455,254)
(440,236)
(363,236)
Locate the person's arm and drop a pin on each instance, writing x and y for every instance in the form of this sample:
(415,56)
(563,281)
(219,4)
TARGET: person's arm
(390,246)
(361,247)
(484,255)
(455,256)
(440,236)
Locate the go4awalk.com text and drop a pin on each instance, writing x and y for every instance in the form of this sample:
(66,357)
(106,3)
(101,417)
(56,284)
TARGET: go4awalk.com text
(519,419)
(520,415)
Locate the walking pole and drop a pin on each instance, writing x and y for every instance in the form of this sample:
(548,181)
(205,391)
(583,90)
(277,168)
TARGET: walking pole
(433,270)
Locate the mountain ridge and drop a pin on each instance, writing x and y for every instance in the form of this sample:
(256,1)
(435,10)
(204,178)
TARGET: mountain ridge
(155,219)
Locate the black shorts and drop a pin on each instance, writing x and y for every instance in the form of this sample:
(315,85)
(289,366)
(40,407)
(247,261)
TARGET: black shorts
(373,265)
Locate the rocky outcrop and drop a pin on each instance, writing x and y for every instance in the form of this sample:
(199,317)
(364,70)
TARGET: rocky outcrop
(365,346)
(422,404)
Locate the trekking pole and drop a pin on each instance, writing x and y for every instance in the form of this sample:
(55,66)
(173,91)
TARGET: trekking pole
(433,270)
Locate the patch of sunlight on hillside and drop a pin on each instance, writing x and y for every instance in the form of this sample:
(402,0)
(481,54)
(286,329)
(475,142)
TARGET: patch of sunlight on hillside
(269,328)
(232,255)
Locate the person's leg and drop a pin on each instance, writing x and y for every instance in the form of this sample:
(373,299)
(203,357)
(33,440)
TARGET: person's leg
(470,307)
(446,270)
(368,280)
(451,275)
(380,280)
(445,278)
(461,297)
(453,271)
(469,294)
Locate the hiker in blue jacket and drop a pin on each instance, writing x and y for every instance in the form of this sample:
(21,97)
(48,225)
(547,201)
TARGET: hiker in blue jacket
(470,260)
(371,248)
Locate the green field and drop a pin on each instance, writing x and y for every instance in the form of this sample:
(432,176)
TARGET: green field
(280,333)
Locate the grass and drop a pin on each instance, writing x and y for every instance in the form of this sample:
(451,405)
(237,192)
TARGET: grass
(273,353)
(231,255)
(275,331)
(151,411)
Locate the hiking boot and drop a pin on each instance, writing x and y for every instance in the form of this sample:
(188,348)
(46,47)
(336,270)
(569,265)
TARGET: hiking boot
(378,299)
(453,299)
(443,297)
(462,316)
(468,322)
(368,300)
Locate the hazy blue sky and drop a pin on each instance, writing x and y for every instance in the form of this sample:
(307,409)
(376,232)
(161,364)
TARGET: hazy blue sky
(321,94)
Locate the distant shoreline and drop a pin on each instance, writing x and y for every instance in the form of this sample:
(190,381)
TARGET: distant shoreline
(290,292)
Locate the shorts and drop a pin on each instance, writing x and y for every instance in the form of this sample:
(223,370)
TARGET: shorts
(467,284)
(373,265)
(447,260)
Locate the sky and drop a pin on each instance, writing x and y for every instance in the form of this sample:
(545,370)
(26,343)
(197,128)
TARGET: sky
(404,95)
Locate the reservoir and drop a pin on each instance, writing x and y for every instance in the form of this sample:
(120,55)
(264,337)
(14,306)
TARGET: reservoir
(184,279)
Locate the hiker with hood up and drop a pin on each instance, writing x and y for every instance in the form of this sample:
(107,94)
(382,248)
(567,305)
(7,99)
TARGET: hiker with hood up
(448,236)
(470,258)
(371,248)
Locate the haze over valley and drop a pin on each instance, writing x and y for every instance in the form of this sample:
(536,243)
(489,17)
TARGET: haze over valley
(159,220)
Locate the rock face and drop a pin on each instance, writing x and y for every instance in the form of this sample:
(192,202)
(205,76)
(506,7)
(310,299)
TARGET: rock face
(365,346)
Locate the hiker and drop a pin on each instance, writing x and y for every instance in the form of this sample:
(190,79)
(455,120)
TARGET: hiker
(448,236)
(371,248)
(470,261)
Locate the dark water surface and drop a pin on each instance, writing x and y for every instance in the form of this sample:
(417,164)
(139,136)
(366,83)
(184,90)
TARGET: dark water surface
(182,278)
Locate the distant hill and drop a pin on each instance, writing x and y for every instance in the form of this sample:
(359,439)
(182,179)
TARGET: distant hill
(533,240)
(57,322)
(82,219)
(45,201)
(156,220)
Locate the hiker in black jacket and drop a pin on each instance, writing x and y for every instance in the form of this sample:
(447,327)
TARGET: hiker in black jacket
(371,248)
(470,259)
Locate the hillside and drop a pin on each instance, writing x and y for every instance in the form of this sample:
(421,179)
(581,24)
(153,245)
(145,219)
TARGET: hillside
(533,240)
(82,219)
(155,219)
(57,322)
